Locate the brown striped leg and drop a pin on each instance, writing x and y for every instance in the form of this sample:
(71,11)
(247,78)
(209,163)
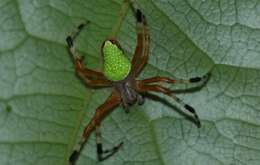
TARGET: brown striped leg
(139,44)
(91,77)
(173,81)
(70,40)
(101,153)
(143,41)
(158,88)
(112,101)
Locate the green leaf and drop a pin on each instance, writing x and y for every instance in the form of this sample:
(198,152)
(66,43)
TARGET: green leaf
(44,106)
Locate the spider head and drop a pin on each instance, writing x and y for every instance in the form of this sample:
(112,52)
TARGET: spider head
(116,65)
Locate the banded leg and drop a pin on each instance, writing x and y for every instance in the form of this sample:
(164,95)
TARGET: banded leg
(91,77)
(70,40)
(101,153)
(112,101)
(173,81)
(143,40)
(158,88)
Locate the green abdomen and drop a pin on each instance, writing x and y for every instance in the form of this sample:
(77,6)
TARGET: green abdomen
(116,65)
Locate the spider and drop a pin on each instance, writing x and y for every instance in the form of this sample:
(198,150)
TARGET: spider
(121,74)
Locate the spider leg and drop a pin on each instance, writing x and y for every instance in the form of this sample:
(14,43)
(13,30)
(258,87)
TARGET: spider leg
(101,153)
(158,88)
(173,81)
(70,40)
(91,77)
(112,101)
(143,41)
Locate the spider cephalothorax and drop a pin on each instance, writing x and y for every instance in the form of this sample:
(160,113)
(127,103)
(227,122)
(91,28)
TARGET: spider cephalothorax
(120,73)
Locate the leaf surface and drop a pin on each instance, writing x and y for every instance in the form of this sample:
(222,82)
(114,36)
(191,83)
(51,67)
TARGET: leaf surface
(44,106)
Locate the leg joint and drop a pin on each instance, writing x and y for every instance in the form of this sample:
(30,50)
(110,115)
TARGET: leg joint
(139,15)
(69,41)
